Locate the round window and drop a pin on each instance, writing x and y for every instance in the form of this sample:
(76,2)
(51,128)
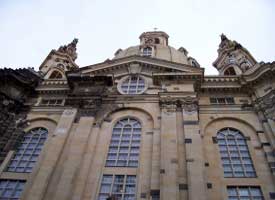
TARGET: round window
(132,85)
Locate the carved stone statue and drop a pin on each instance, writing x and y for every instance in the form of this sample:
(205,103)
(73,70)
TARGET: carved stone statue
(69,49)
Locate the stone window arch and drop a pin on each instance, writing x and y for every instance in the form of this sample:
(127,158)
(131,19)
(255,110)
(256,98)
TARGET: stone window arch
(157,41)
(230,71)
(55,75)
(124,147)
(234,152)
(28,151)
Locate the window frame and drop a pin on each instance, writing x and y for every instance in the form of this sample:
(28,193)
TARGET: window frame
(147,51)
(239,196)
(56,75)
(124,144)
(127,82)
(13,189)
(26,156)
(114,182)
(235,156)
(49,102)
(228,100)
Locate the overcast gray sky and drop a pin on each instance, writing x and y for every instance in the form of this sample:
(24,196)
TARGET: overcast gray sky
(30,29)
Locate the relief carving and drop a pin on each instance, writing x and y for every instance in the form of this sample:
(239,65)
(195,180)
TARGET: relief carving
(266,104)
(189,105)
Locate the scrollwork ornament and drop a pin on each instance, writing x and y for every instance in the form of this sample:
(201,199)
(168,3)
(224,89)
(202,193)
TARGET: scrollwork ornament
(168,105)
(189,105)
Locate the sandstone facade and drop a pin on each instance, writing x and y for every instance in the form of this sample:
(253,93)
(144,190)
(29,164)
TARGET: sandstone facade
(147,124)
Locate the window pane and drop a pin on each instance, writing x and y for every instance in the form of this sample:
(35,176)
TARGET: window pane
(242,192)
(31,144)
(123,187)
(133,85)
(234,154)
(124,147)
(11,189)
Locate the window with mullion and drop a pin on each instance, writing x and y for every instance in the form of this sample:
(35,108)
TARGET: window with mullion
(121,187)
(28,151)
(235,156)
(124,145)
(11,189)
(133,85)
(244,193)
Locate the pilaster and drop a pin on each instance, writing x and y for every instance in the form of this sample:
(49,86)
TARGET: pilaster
(169,188)
(41,179)
(194,151)
(76,150)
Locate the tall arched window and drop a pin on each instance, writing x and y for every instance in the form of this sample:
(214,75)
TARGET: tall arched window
(125,142)
(234,153)
(55,75)
(28,151)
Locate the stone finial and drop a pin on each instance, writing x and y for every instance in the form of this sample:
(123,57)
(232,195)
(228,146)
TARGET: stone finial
(223,37)
(69,49)
(183,50)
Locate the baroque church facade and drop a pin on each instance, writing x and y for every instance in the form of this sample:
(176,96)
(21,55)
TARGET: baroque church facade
(147,124)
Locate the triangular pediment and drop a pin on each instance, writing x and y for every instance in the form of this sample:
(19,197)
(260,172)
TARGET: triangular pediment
(138,64)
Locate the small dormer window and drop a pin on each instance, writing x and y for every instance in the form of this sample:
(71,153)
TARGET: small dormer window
(55,75)
(147,51)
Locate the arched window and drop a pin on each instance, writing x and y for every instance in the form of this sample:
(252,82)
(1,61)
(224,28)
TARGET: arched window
(147,51)
(157,41)
(125,142)
(230,71)
(28,151)
(55,75)
(133,85)
(235,156)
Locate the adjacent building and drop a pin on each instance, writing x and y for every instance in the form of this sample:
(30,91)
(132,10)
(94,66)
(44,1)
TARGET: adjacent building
(146,124)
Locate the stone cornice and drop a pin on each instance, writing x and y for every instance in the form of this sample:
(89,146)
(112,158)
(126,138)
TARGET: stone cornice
(178,77)
(261,72)
(220,84)
(142,60)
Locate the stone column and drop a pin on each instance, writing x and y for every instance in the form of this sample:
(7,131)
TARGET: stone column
(194,151)
(75,154)
(169,188)
(44,174)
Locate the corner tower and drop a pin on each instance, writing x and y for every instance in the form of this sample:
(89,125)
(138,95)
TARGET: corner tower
(233,58)
(60,61)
